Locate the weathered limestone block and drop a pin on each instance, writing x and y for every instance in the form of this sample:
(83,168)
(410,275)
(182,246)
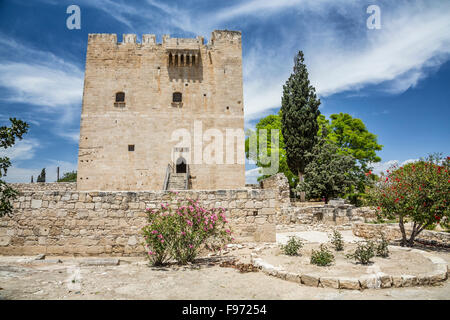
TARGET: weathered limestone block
(328,282)
(349,283)
(310,280)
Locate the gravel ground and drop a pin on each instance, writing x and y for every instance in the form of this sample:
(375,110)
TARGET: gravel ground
(134,279)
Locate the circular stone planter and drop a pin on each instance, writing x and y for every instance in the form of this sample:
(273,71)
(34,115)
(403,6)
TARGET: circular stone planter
(422,269)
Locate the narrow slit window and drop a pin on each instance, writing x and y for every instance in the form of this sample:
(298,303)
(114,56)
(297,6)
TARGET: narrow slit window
(131,147)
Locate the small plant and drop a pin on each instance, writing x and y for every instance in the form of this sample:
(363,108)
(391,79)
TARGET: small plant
(382,248)
(363,253)
(292,246)
(337,241)
(322,257)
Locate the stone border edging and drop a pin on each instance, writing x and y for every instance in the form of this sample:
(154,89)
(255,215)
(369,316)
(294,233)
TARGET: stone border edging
(372,281)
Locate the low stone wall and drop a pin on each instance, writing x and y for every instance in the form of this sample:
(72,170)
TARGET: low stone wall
(109,223)
(42,186)
(391,231)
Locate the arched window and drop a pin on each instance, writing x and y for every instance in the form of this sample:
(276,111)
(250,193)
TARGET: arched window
(120,97)
(120,100)
(177,97)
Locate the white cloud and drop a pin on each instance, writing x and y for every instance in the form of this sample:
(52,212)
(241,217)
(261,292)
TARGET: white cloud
(41,79)
(41,85)
(251,175)
(380,167)
(22,150)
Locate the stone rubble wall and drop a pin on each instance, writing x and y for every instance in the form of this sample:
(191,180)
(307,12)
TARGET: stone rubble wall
(109,223)
(45,186)
(391,232)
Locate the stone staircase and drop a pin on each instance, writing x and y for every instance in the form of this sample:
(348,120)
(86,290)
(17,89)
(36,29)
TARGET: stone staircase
(177,181)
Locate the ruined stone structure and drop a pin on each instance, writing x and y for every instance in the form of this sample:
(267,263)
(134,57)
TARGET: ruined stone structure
(140,98)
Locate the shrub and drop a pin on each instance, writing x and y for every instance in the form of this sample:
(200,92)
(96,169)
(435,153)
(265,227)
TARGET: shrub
(322,257)
(363,253)
(292,246)
(417,192)
(337,241)
(180,231)
(382,248)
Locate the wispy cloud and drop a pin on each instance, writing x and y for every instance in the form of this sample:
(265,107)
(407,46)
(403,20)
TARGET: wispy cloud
(23,150)
(46,82)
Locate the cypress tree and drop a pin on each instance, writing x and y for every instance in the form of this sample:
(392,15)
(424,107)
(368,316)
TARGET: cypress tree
(299,110)
(41,177)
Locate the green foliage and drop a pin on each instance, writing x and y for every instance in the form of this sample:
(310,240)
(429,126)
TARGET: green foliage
(271,122)
(382,247)
(351,136)
(41,177)
(337,241)
(328,172)
(299,111)
(417,192)
(181,230)
(322,257)
(69,177)
(8,136)
(292,246)
(365,251)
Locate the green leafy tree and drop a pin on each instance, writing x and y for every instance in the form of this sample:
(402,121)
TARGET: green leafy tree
(417,193)
(69,177)
(271,122)
(8,136)
(352,138)
(299,111)
(328,172)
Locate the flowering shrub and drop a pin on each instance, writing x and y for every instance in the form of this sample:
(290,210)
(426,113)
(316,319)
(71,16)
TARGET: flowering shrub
(180,231)
(417,192)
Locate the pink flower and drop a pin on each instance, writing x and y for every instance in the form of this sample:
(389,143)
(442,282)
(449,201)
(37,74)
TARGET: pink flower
(162,240)
(154,232)
(191,246)
(228,231)
(183,233)
(189,222)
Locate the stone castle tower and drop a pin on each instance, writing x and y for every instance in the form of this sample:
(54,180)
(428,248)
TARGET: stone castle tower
(139,98)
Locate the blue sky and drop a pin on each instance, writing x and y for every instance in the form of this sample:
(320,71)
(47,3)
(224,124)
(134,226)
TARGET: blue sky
(396,79)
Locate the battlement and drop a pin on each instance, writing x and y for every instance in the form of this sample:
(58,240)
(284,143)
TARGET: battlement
(217,36)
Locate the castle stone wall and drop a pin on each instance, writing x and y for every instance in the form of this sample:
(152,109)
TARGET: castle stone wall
(109,223)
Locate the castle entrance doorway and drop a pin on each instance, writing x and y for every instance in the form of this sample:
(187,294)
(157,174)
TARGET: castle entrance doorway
(180,165)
